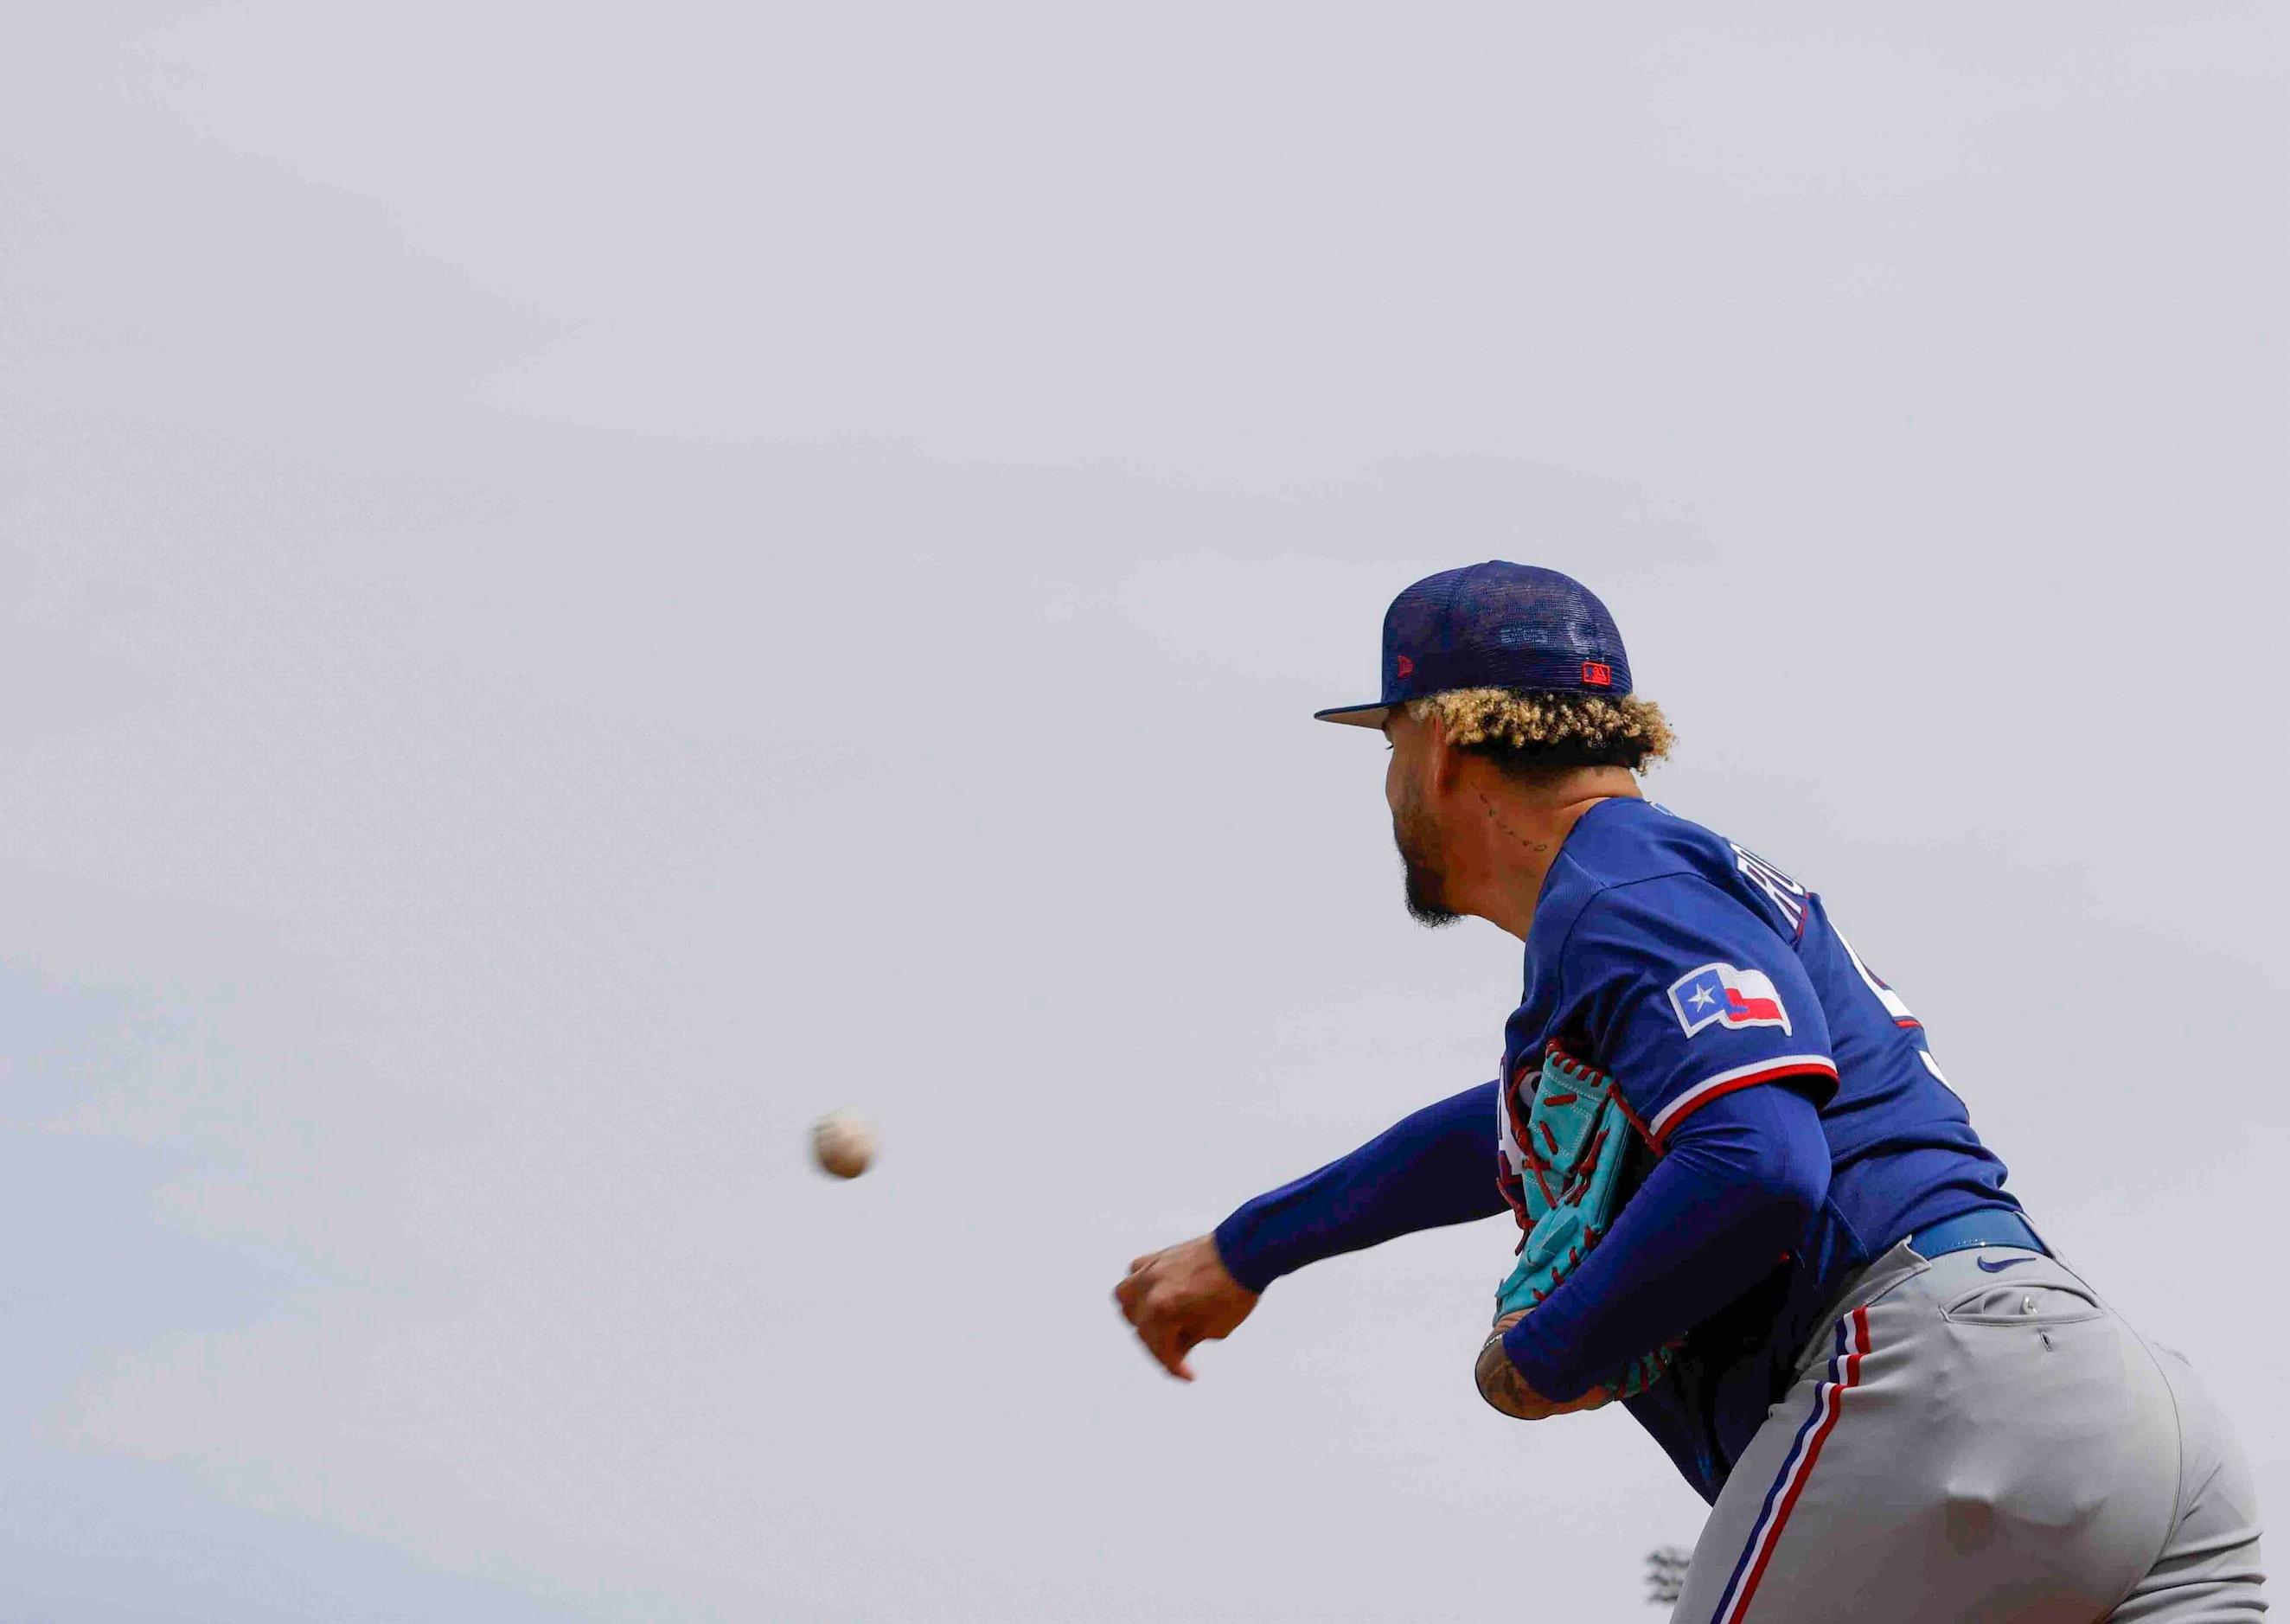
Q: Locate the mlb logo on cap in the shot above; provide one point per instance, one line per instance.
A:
(1720, 995)
(1494, 625)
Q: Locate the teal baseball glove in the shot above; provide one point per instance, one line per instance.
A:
(1576, 1144)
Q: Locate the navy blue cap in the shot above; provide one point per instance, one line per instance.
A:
(1494, 625)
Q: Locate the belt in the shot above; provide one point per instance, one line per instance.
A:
(1988, 1227)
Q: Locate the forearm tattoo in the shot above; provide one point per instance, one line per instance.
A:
(1502, 1385)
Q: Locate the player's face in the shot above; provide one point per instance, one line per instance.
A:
(1413, 827)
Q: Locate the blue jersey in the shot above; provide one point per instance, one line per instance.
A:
(1688, 968)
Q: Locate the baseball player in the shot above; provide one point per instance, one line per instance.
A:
(1757, 1215)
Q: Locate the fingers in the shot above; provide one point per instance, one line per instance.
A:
(1166, 1334)
(1165, 1298)
(1170, 1344)
(1133, 1285)
(1171, 1358)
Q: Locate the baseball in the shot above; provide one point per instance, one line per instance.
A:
(843, 1142)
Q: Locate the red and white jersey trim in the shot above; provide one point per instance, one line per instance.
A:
(1725, 1082)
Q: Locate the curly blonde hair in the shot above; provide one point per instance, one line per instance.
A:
(1530, 729)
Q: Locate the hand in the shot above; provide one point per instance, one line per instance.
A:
(1502, 1385)
(1180, 1296)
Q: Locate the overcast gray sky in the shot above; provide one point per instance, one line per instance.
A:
(581, 585)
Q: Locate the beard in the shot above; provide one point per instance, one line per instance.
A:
(1419, 857)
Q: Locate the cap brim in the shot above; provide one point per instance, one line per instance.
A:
(1355, 715)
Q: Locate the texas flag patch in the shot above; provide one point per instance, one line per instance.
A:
(1719, 995)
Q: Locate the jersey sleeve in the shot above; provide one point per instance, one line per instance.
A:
(1684, 995)
(1437, 1167)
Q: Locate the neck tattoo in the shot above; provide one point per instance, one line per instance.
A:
(1495, 815)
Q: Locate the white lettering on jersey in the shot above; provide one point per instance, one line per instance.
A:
(1886, 996)
(1786, 894)
(1514, 1158)
(1899, 1010)
(1933, 1066)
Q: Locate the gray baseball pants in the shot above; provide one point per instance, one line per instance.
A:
(1979, 1436)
